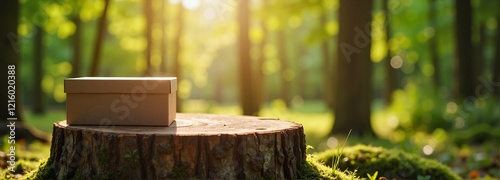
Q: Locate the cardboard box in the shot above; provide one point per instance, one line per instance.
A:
(148, 101)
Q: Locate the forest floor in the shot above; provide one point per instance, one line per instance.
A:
(470, 161)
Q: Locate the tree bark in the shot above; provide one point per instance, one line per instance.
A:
(177, 66)
(77, 47)
(463, 75)
(247, 93)
(285, 83)
(390, 72)
(101, 27)
(354, 68)
(148, 13)
(38, 96)
(195, 146)
(433, 44)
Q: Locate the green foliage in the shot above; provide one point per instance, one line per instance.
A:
(178, 173)
(336, 159)
(44, 171)
(372, 177)
(478, 134)
(312, 168)
(390, 163)
(102, 158)
(133, 157)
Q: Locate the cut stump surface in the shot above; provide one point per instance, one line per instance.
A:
(194, 146)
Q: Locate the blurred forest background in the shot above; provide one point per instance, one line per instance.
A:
(417, 74)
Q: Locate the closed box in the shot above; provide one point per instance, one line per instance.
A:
(141, 101)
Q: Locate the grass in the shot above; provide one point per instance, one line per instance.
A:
(313, 168)
(44, 122)
(28, 158)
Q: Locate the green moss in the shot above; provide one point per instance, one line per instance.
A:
(78, 176)
(178, 173)
(389, 163)
(44, 171)
(312, 168)
(102, 158)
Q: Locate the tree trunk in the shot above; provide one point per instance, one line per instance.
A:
(354, 68)
(327, 68)
(77, 48)
(247, 93)
(433, 44)
(101, 27)
(9, 53)
(148, 13)
(463, 75)
(479, 56)
(260, 84)
(302, 77)
(38, 96)
(163, 66)
(390, 72)
(285, 83)
(197, 146)
(177, 67)
(496, 61)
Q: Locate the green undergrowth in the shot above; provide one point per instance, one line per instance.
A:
(312, 168)
(44, 171)
(392, 164)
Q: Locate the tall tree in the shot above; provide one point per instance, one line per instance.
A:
(479, 55)
(177, 44)
(101, 26)
(247, 93)
(302, 72)
(390, 72)
(463, 76)
(327, 67)
(38, 104)
(285, 82)
(9, 53)
(433, 46)
(148, 13)
(77, 46)
(354, 68)
(163, 65)
(496, 60)
(259, 84)
(76, 40)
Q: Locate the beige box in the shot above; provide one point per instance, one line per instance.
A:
(148, 101)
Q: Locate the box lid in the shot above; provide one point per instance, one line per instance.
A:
(120, 85)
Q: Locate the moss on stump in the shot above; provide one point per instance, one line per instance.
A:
(393, 164)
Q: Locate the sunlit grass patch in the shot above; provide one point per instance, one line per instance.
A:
(44, 121)
(390, 163)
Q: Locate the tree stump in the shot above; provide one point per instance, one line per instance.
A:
(194, 146)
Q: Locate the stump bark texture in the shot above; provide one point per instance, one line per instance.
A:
(194, 146)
